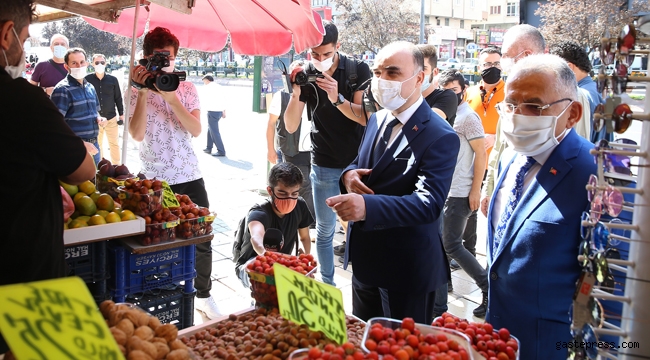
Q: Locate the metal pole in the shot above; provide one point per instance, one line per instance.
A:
(127, 92)
(421, 21)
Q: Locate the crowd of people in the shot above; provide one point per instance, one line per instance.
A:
(402, 154)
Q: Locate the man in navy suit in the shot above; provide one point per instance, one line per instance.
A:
(533, 242)
(393, 194)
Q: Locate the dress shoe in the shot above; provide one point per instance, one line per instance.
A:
(454, 265)
(339, 249)
(207, 151)
(480, 311)
(219, 154)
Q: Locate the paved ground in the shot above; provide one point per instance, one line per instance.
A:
(235, 182)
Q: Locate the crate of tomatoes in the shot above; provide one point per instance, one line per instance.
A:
(194, 220)
(159, 227)
(262, 278)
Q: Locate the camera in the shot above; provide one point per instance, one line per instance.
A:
(165, 81)
(301, 75)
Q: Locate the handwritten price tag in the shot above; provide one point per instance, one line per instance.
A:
(169, 198)
(55, 319)
(306, 301)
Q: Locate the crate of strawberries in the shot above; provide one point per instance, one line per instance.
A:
(142, 197)
(194, 220)
(262, 278)
(487, 341)
(159, 227)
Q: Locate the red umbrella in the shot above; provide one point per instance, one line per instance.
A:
(256, 27)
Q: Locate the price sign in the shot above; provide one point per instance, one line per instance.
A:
(169, 198)
(55, 319)
(306, 301)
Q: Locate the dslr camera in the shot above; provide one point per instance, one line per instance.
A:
(165, 81)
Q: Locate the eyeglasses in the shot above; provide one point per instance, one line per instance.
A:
(100, 62)
(621, 118)
(613, 160)
(619, 79)
(607, 56)
(610, 201)
(487, 65)
(527, 108)
(626, 39)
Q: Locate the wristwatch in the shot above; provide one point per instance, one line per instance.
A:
(340, 101)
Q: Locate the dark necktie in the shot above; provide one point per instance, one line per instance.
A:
(382, 144)
(513, 200)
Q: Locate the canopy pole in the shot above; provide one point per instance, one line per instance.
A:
(127, 92)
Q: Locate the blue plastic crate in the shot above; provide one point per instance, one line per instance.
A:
(137, 273)
(87, 261)
(171, 306)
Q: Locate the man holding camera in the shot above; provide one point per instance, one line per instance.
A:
(164, 123)
(333, 104)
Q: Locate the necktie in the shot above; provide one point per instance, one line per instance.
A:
(382, 144)
(513, 200)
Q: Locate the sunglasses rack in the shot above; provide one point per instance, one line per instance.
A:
(626, 293)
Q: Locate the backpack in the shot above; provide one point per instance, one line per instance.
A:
(239, 239)
(351, 78)
(285, 141)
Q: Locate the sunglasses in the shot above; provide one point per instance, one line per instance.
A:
(610, 202)
(618, 82)
(591, 313)
(607, 56)
(620, 118)
(100, 62)
(626, 39)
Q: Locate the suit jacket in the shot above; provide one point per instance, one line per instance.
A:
(533, 274)
(399, 245)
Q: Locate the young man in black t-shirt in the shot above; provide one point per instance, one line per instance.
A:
(443, 102)
(39, 148)
(285, 211)
(336, 132)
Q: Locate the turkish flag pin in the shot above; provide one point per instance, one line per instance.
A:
(553, 171)
(415, 128)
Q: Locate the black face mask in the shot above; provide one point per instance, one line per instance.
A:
(460, 96)
(491, 75)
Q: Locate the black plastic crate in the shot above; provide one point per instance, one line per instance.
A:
(99, 291)
(170, 306)
(87, 261)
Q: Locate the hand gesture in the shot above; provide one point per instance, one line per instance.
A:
(349, 207)
(330, 86)
(352, 180)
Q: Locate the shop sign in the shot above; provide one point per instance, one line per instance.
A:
(465, 34)
(496, 36)
(169, 198)
(304, 300)
(446, 33)
(55, 319)
(483, 36)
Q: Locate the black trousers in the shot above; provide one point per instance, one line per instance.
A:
(203, 261)
(371, 301)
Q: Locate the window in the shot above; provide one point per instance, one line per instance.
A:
(462, 24)
(513, 9)
(446, 21)
(495, 10)
(471, 3)
(438, 21)
(426, 19)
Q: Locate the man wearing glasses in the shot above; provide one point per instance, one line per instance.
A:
(110, 97)
(533, 226)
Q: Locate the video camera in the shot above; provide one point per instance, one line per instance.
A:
(302, 76)
(165, 81)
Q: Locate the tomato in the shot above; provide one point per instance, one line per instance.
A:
(511, 353)
(401, 354)
(488, 328)
(443, 346)
(481, 346)
(408, 324)
(441, 337)
(513, 344)
(376, 334)
(314, 353)
(502, 356)
(413, 341)
(358, 355)
(504, 334)
(329, 347)
(348, 347)
(453, 345)
(371, 345)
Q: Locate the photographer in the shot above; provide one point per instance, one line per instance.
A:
(164, 123)
(333, 104)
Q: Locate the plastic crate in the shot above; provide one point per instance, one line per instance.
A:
(140, 204)
(87, 261)
(99, 291)
(189, 228)
(170, 306)
(137, 273)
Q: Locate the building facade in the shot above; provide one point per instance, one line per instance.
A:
(449, 25)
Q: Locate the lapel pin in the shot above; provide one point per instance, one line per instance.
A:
(553, 171)
(415, 128)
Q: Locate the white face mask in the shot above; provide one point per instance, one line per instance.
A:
(100, 68)
(169, 68)
(15, 71)
(425, 83)
(388, 93)
(531, 135)
(78, 73)
(59, 51)
(324, 65)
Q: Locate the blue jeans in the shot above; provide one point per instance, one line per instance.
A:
(325, 184)
(97, 157)
(456, 213)
(213, 131)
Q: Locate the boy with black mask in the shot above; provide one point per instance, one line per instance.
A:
(284, 211)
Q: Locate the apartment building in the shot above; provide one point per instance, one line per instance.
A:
(449, 25)
(501, 15)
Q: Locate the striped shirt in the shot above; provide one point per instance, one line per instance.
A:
(79, 106)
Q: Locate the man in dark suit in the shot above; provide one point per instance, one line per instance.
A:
(533, 242)
(394, 192)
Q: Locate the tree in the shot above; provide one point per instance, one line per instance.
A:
(83, 35)
(584, 21)
(369, 25)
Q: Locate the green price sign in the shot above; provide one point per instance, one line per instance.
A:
(304, 300)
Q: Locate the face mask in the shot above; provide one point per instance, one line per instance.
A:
(491, 75)
(284, 205)
(388, 93)
(169, 68)
(531, 135)
(426, 83)
(15, 71)
(324, 65)
(461, 96)
(59, 51)
(78, 73)
(100, 68)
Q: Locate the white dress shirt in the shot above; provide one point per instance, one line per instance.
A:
(403, 117)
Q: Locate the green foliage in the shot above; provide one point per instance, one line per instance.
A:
(92, 40)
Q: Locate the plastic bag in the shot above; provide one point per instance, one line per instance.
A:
(68, 204)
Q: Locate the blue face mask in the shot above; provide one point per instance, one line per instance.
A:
(59, 51)
(425, 83)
